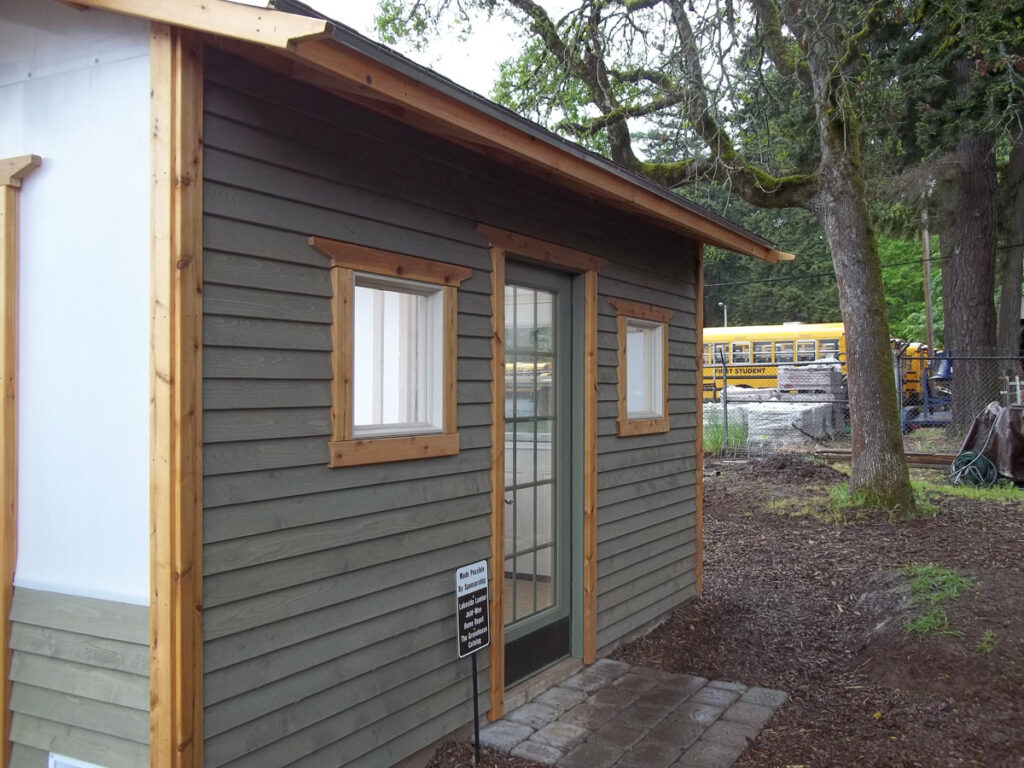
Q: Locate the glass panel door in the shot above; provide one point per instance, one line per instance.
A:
(537, 447)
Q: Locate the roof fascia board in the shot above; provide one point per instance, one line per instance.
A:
(241, 22)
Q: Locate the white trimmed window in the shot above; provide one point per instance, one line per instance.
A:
(398, 361)
(642, 368)
(394, 355)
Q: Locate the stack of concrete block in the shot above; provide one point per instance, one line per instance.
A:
(835, 418)
(782, 426)
(748, 395)
(810, 378)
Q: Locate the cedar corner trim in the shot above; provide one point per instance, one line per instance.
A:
(13, 171)
(176, 586)
(503, 243)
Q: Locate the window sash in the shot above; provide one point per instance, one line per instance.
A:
(397, 357)
(644, 369)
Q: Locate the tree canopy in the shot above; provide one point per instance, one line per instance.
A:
(802, 104)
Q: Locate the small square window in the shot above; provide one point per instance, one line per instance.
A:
(394, 357)
(643, 367)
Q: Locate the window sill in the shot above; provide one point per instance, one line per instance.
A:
(631, 427)
(352, 453)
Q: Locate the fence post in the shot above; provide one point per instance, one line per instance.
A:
(725, 402)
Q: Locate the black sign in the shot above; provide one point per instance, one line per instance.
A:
(472, 613)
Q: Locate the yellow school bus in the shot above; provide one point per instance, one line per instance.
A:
(753, 353)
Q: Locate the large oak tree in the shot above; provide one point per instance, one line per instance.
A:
(608, 69)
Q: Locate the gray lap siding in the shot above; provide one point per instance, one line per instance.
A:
(329, 635)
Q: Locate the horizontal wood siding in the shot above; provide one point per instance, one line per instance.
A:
(646, 535)
(80, 673)
(328, 611)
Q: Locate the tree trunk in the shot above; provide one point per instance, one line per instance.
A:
(1011, 258)
(879, 475)
(967, 232)
(879, 469)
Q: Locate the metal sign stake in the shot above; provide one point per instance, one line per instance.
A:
(473, 629)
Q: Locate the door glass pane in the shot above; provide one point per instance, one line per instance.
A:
(545, 573)
(530, 416)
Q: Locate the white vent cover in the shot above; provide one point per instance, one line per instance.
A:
(61, 761)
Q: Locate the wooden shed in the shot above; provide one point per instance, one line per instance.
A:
(294, 328)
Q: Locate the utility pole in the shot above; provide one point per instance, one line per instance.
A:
(927, 261)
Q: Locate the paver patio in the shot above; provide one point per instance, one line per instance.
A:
(612, 714)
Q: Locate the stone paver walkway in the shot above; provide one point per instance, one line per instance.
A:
(614, 714)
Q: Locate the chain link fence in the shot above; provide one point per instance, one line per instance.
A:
(756, 411)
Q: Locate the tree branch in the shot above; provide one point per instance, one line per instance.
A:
(775, 44)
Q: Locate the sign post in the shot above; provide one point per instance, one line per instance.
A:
(473, 626)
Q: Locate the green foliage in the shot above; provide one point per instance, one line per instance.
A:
(932, 585)
(850, 506)
(987, 643)
(805, 290)
(1003, 492)
(758, 293)
(715, 443)
(933, 621)
(903, 277)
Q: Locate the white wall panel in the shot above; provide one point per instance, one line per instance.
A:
(74, 89)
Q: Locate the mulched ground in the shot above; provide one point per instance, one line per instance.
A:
(796, 602)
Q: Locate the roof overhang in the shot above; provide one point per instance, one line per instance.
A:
(339, 60)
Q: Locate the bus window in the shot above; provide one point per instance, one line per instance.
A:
(783, 351)
(829, 348)
(741, 352)
(806, 351)
(762, 352)
(721, 354)
(707, 354)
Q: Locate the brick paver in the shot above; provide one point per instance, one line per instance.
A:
(613, 715)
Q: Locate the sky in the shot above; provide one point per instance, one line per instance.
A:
(472, 63)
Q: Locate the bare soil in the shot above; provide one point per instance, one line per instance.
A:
(796, 601)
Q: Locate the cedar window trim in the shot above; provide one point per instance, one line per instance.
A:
(628, 427)
(346, 260)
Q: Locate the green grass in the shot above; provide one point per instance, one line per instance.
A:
(1003, 492)
(932, 585)
(714, 439)
(846, 506)
(988, 642)
(933, 622)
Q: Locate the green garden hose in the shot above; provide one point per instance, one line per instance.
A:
(972, 468)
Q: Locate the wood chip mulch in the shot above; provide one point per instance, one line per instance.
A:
(797, 602)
